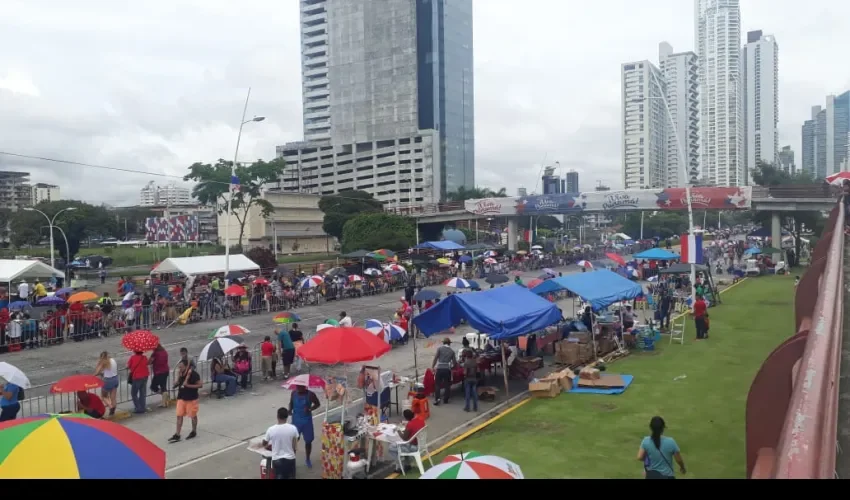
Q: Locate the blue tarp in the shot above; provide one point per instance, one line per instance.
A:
(439, 245)
(657, 254)
(506, 312)
(600, 288)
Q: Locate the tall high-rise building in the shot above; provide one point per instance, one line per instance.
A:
(682, 79)
(786, 160)
(159, 196)
(826, 137)
(644, 125)
(15, 190)
(718, 47)
(388, 100)
(552, 183)
(572, 182)
(42, 192)
(760, 63)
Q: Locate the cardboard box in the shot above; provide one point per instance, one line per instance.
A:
(582, 337)
(569, 353)
(544, 389)
(564, 378)
(608, 381)
(589, 374)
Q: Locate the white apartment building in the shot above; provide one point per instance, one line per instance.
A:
(153, 196)
(45, 193)
(315, 85)
(644, 125)
(682, 78)
(718, 47)
(760, 62)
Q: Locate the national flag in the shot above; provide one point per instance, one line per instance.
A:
(692, 248)
(234, 184)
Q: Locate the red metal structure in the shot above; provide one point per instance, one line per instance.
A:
(792, 406)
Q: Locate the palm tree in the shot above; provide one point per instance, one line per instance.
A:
(463, 194)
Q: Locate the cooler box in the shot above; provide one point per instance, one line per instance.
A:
(265, 474)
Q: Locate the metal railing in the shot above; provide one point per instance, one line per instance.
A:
(792, 406)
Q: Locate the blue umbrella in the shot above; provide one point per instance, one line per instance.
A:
(423, 295)
(64, 291)
(465, 259)
(20, 304)
(50, 301)
(474, 285)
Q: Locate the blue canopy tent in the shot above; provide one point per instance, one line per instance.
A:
(445, 246)
(599, 288)
(657, 254)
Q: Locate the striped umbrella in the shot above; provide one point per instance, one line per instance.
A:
(219, 347)
(372, 272)
(490, 260)
(228, 330)
(354, 278)
(585, 264)
(311, 282)
(474, 465)
(458, 283)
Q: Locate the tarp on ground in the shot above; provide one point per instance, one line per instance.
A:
(683, 269)
(207, 264)
(13, 270)
(657, 254)
(599, 288)
(439, 245)
(506, 312)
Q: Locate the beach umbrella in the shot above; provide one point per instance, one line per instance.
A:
(490, 253)
(385, 253)
(75, 383)
(376, 256)
(354, 278)
(227, 330)
(522, 252)
(219, 347)
(82, 297)
(75, 446)
(652, 279)
(474, 465)
(311, 382)
(286, 318)
(51, 301)
(64, 291)
(474, 285)
(13, 375)
(311, 282)
(394, 331)
(235, 291)
(337, 271)
(549, 271)
(374, 326)
(372, 272)
(496, 279)
(838, 179)
(444, 261)
(337, 345)
(545, 277)
(752, 251)
(457, 283)
(616, 258)
(140, 340)
(585, 264)
(322, 326)
(423, 295)
(19, 305)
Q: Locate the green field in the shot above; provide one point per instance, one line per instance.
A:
(597, 436)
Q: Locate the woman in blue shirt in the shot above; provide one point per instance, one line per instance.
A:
(9, 404)
(658, 452)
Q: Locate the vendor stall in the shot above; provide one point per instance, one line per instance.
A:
(713, 296)
(657, 254)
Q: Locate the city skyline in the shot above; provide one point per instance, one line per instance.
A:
(169, 99)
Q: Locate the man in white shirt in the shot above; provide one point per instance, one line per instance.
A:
(345, 320)
(282, 440)
(23, 290)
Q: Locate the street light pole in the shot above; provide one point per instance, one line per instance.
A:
(64, 237)
(230, 194)
(51, 226)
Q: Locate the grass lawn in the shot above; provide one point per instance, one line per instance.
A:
(597, 436)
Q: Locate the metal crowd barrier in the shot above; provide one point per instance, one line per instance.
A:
(792, 406)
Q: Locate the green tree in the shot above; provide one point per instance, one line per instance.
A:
(135, 219)
(463, 194)
(342, 207)
(378, 230)
(84, 222)
(263, 257)
(214, 185)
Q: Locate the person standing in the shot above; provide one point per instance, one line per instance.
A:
(470, 380)
(302, 403)
(287, 351)
(699, 311)
(188, 405)
(10, 403)
(159, 381)
(267, 361)
(444, 360)
(282, 440)
(657, 452)
(297, 338)
(137, 366)
(108, 369)
(23, 290)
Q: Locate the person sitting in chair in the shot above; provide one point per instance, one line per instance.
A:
(413, 424)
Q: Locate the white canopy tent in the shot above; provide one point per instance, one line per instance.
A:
(14, 270)
(207, 264)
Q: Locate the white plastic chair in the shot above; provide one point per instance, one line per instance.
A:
(421, 438)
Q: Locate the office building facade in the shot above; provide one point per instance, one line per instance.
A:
(552, 182)
(572, 182)
(153, 196)
(760, 62)
(15, 190)
(682, 80)
(45, 193)
(826, 137)
(644, 126)
(785, 160)
(718, 48)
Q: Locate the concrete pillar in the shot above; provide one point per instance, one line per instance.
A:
(512, 233)
(775, 234)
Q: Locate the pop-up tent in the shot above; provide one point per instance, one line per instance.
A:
(502, 313)
(657, 254)
(13, 270)
(445, 246)
(599, 288)
(207, 264)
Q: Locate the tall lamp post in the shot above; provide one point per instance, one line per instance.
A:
(64, 237)
(51, 226)
(232, 175)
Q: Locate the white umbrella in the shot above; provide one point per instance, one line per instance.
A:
(129, 296)
(13, 375)
(219, 347)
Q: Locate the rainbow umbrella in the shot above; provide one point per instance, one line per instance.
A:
(286, 317)
(75, 446)
(474, 465)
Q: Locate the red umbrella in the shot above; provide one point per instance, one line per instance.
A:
(261, 281)
(234, 291)
(140, 340)
(339, 345)
(76, 383)
(838, 178)
(616, 258)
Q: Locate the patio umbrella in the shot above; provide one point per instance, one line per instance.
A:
(286, 318)
(235, 291)
(372, 272)
(457, 283)
(228, 330)
(261, 281)
(376, 256)
(585, 264)
(140, 341)
(75, 383)
(616, 258)
(337, 345)
(51, 301)
(19, 305)
(311, 382)
(355, 278)
(76, 447)
(423, 295)
(474, 465)
(64, 291)
(496, 279)
(13, 375)
(337, 271)
(82, 297)
(384, 252)
(219, 347)
(311, 282)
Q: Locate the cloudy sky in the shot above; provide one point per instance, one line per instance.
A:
(159, 84)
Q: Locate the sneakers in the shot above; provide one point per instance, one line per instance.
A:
(308, 463)
(175, 438)
(191, 435)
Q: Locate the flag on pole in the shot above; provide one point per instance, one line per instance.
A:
(234, 184)
(692, 248)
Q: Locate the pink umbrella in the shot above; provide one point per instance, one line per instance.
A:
(311, 382)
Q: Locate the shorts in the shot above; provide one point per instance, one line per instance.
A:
(287, 356)
(110, 383)
(159, 382)
(284, 468)
(188, 408)
(305, 429)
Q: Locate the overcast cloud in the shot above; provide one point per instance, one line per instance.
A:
(159, 84)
